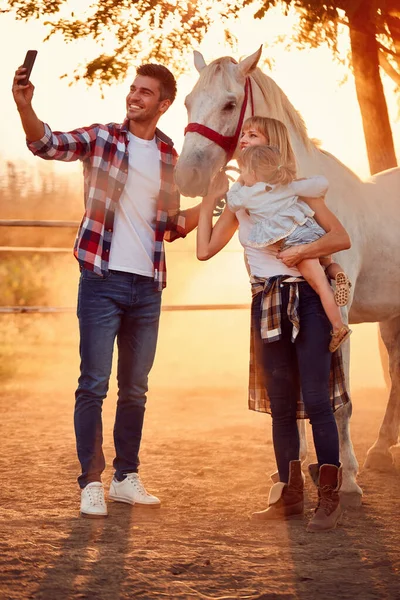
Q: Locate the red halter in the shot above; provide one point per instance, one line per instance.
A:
(226, 142)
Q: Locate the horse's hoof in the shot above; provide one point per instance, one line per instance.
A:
(350, 499)
(379, 461)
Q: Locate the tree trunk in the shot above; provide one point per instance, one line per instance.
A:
(370, 94)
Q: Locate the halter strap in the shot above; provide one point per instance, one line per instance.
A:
(226, 142)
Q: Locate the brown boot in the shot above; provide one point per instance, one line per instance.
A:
(285, 499)
(328, 511)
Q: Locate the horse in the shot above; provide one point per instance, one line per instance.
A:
(369, 210)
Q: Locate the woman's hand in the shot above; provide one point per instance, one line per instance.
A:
(292, 256)
(219, 185)
(217, 190)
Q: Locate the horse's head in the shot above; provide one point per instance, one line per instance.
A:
(215, 101)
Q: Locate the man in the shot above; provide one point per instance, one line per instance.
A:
(131, 206)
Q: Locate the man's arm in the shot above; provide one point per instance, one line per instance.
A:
(23, 94)
(335, 239)
(41, 140)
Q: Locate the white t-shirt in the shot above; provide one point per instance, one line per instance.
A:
(262, 261)
(132, 245)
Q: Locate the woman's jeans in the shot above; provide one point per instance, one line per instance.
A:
(304, 364)
(127, 307)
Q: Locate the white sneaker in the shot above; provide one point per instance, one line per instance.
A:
(132, 491)
(93, 505)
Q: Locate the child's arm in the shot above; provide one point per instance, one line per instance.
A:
(313, 187)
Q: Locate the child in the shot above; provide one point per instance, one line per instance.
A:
(270, 195)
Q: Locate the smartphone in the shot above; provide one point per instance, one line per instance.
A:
(28, 65)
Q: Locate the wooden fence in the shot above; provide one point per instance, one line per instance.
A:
(68, 309)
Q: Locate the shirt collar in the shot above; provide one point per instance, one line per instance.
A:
(159, 134)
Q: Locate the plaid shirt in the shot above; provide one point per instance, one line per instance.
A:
(103, 149)
(270, 328)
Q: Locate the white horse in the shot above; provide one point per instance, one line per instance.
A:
(370, 211)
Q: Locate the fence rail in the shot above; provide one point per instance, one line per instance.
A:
(70, 309)
(167, 308)
(25, 223)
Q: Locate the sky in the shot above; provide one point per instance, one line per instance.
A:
(310, 78)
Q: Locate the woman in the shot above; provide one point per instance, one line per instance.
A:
(290, 342)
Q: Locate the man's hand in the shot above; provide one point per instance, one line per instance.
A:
(291, 256)
(23, 94)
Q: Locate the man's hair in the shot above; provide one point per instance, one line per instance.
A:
(164, 77)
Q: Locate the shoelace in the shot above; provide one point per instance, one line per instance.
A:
(136, 481)
(326, 502)
(96, 495)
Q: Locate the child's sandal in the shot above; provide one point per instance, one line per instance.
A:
(342, 289)
(338, 337)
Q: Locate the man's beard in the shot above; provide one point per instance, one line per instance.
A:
(145, 116)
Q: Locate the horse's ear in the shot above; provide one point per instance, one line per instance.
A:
(199, 61)
(247, 65)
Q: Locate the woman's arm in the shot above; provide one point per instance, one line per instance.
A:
(210, 240)
(335, 239)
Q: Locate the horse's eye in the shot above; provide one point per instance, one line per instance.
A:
(230, 105)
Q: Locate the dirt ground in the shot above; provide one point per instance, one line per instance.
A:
(208, 459)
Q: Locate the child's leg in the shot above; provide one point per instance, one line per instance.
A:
(342, 283)
(314, 274)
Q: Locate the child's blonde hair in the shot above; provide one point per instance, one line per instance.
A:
(276, 134)
(267, 165)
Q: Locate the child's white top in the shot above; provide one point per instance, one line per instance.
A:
(262, 262)
(276, 210)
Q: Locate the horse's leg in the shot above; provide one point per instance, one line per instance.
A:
(350, 493)
(301, 425)
(379, 457)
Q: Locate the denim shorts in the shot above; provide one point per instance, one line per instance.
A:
(304, 234)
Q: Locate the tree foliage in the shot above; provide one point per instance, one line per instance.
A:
(161, 30)
(374, 31)
(141, 30)
(320, 22)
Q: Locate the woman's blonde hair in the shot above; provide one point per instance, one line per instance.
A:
(276, 134)
(267, 165)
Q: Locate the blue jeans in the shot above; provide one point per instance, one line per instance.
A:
(303, 365)
(127, 307)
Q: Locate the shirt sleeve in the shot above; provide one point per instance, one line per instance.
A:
(236, 197)
(313, 187)
(73, 145)
(176, 221)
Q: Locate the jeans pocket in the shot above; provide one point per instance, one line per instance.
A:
(92, 276)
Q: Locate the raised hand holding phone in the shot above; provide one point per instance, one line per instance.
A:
(28, 65)
(22, 88)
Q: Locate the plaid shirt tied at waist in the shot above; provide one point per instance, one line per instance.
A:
(271, 305)
(269, 318)
(103, 150)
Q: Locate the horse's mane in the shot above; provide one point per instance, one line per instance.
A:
(284, 111)
(280, 106)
